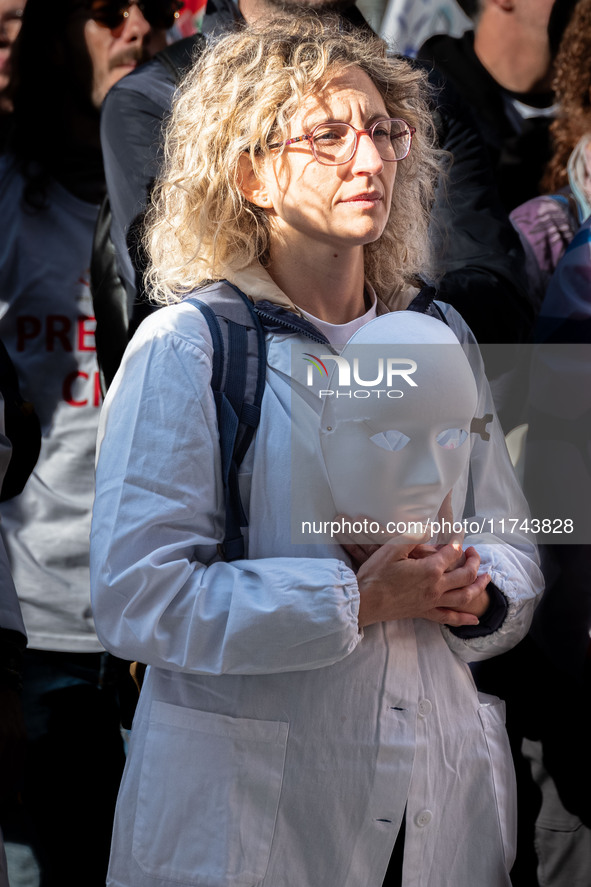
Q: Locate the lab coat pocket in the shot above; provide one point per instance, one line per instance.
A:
(492, 717)
(208, 796)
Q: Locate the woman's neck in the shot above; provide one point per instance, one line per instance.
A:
(327, 283)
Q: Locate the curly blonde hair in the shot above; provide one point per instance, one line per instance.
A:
(572, 87)
(238, 98)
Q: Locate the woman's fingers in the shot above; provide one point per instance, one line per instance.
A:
(453, 618)
(463, 606)
(394, 585)
(459, 598)
(463, 572)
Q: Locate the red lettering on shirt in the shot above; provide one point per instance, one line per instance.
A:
(69, 386)
(58, 327)
(86, 335)
(98, 394)
(27, 327)
(67, 389)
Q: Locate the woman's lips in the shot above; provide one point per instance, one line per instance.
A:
(369, 197)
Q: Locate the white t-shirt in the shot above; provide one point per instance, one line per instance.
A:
(47, 325)
(339, 333)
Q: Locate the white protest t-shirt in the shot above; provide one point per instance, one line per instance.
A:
(47, 325)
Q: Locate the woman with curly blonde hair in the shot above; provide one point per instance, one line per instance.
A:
(203, 226)
(307, 717)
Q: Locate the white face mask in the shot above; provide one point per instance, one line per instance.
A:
(395, 458)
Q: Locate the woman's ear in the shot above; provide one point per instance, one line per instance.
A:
(250, 183)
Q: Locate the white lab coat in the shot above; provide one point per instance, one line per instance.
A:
(274, 744)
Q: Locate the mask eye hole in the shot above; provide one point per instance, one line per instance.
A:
(451, 438)
(390, 440)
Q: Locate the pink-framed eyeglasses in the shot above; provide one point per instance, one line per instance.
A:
(336, 143)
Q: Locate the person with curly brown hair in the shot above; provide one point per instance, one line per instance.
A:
(547, 224)
(572, 88)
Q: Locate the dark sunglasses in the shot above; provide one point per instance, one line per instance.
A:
(112, 13)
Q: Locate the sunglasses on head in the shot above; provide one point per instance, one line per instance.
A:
(113, 13)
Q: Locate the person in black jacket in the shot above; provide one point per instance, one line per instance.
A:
(503, 69)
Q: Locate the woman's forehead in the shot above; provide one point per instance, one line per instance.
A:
(342, 95)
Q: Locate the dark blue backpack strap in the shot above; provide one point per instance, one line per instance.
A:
(424, 303)
(238, 384)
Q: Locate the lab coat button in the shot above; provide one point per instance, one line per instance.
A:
(424, 708)
(423, 818)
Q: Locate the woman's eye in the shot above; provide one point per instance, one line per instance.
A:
(390, 440)
(451, 438)
(327, 136)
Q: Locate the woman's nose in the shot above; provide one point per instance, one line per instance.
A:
(366, 160)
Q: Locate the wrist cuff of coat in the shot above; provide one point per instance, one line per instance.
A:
(490, 621)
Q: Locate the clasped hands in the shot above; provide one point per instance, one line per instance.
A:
(410, 580)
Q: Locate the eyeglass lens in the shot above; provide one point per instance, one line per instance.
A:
(158, 13)
(335, 142)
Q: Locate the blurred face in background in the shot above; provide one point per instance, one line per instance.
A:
(116, 45)
(11, 13)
